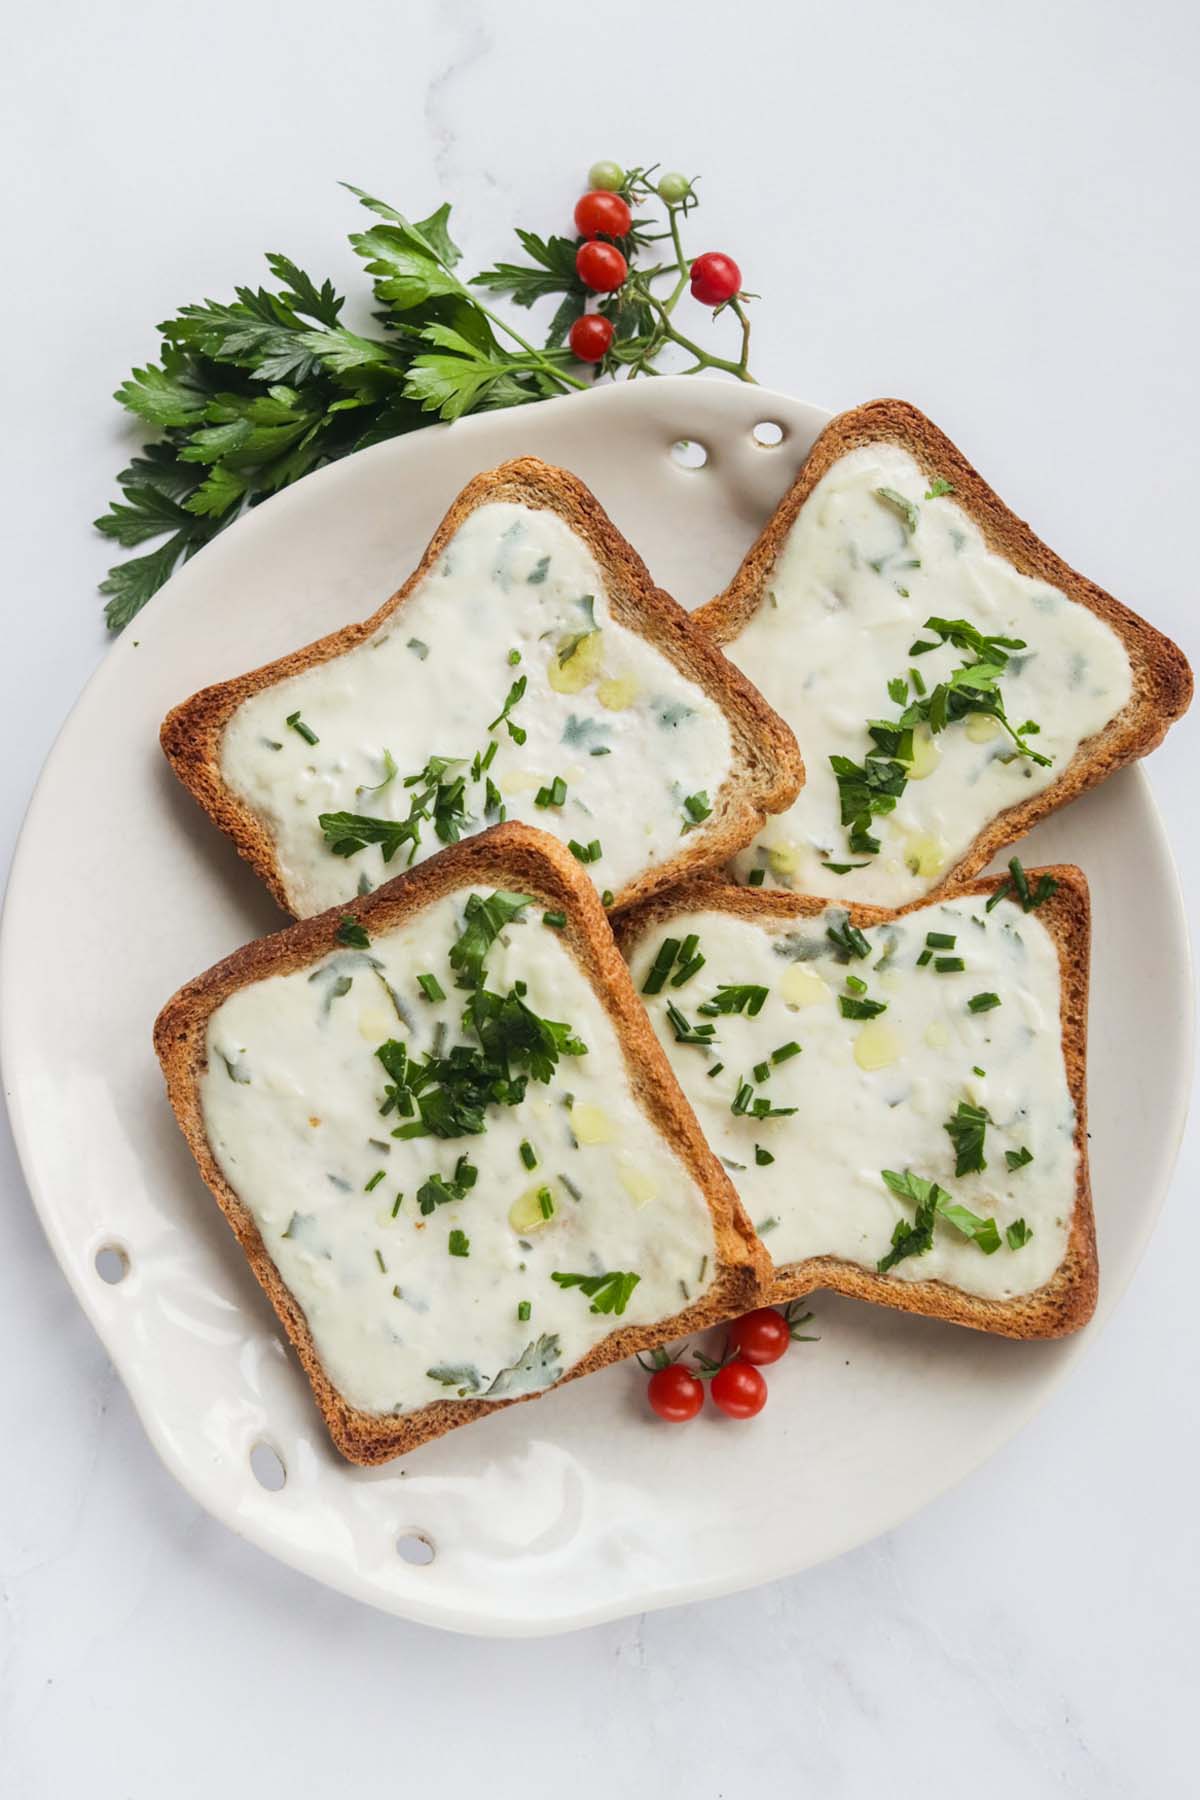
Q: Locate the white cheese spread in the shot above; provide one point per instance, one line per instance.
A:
(876, 1093)
(516, 596)
(849, 595)
(291, 1100)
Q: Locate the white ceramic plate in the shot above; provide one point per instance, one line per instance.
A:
(580, 1507)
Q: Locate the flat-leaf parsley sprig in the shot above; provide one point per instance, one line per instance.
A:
(250, 394)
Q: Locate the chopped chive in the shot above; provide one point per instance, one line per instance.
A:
(785, 1051)
(594, 850)
(514, 657)
(554, 795)
(940, 940)
(948, 965)
(660, 968)
(756, 877)
(545, 1201)
(761, 1071)
(762, 1157)
(382, 1264)
(765, 1225)
(856, 984)
(397, 1204)
(528, 1154)
(306, 731)
(926, 956)
(1020, 882)
(742, 1098)
(374, 1182)
(576, 1193)
(982, 1002)
(557, 919)
(918, 681)
(431, 987)
(686, 970)
(607, 897)
(583, 852)
(978, 1071)
(715, 1070)
(524, 1310)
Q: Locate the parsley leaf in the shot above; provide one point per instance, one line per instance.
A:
(966, 1129)
(484, 920)
(608, 1293)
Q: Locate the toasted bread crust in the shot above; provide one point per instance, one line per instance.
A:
(1068, 1299)
(767, 771)
(1162, 677)
(517, 857)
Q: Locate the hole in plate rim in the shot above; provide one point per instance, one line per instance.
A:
(689, 454)
(267, 1465)
(415, 1547)
(768, 434)
(112, 1263)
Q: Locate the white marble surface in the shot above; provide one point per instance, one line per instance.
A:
(988, 210)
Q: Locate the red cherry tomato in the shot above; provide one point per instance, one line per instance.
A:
(600, 214)
(739, 1390)
(590, 337)
(762, 1336)
(715, 278)
(600, 267)
(675, 1393)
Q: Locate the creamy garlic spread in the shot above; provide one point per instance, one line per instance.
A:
(876, 1093)
(516, 596)
(854, 583)
(291, 1100)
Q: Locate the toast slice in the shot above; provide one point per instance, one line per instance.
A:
(528, 668)
(896, 613)
(962, 1063)
(444, 1134)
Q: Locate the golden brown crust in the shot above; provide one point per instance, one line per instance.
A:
(1068, 1299)
(1162, 678)
(516, 857)
(767, 771)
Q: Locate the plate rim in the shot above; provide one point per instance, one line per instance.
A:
(344, 1578)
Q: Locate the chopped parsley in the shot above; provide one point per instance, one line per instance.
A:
(305, 731)
(390, 771)
(609, 1293)
(735, 997)
(966, 1129)
(439, 797)
(696, 809)
(555, 919)
(1017, 1159)
(459, 1244)
(762, 1157)
(937, 487)
(352, 934)
(931, 1201)
(419, 650)
(852, 1006)
(439, 1190)
(515, 694)
(1018, 1234)
(484, 921)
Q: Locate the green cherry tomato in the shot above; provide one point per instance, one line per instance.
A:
(608, 175)
(674, 187)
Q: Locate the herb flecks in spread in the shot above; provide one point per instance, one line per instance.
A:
(852, 587)
(418, 1183)
(862, 1057)
(416, 754)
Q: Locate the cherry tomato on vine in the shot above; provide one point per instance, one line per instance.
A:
(600, 267)
(715, 278)
(739, 1390)
(673, 187)
(609, 175)
(675, 1394)
(600, 213)
(590, 337)
(761, 1336)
